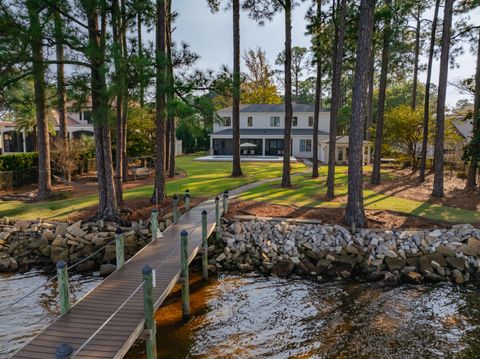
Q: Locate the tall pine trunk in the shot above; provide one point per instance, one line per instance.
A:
(382, 92)
(119, 84)
(416, 59)
(125, 90)
(473, 168)
(287, 138)
(336, 95)
(442, 93)
(170, 94)
(38, 70)
(107, 205)
(426, 107)
(355, 212)
(140, 55)
(371, 80)
(236, 169)
(318, 89)
(160, 98)
(61, 95)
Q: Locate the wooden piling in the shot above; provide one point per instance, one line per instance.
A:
(185, 276)
(148, 302)
(217, 219)
(204, 246)
(120, 247)
(62, 276)
(186, 199)
(154, 223)
(175, 208)
(64, 351)
(225, 202)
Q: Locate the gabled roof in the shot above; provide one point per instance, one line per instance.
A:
(297, 107)
(464, 128)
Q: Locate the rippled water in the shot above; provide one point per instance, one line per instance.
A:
(252, 317)
(20, 322)
(237, 317)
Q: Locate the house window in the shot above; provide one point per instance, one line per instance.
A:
(274, 121)
(340, 154)
(249, 121)
(310, 121)
(295, 121)
(449, 151)
(227, 121)
(87, 116)
(305, 145)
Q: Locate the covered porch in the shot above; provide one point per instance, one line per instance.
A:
(248, 146)
(342, 151)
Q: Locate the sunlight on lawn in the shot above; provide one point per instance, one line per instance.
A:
(203, 179)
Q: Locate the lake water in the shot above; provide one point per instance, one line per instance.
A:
(252, 317)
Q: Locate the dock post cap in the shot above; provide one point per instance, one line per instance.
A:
(204, 212)
(154, 210)
(147, 269)
(226, 192)
(184, 233)
(187, 191)
(64, 351)
(217, 199)
(118, 231)
(175, 196)
(61, 264)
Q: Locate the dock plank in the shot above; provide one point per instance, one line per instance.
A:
(106, 322)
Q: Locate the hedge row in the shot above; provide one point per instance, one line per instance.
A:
(18, 161)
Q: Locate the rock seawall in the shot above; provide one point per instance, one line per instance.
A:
(27, 244)
(333, 252)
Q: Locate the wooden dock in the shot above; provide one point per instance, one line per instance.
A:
(106, 322)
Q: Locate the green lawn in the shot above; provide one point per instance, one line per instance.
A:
(308, 192)
(211, 178)
(203, 179)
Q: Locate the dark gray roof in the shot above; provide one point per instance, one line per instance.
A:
(297, 107)
(269, 132)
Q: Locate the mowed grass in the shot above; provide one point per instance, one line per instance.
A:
(203, 179)
(309, 192)
(211, 178)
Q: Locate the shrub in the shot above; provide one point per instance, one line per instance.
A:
(18, 161)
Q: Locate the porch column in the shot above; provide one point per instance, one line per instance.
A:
(263, 146)
(211, 146)
(24, 142)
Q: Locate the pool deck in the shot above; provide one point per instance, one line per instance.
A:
(217, 158)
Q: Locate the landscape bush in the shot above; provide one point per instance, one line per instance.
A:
(18, 161)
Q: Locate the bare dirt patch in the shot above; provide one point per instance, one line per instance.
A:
(404, 184)
(376, 218)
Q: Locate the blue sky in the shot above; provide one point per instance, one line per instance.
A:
(210, 35)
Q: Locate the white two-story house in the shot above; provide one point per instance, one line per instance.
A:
(262, 130)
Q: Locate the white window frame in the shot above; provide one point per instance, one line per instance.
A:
(310, 121)
(305, 145)
(225, 120)
(274, 121)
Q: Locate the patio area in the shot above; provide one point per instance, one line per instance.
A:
(226, 158)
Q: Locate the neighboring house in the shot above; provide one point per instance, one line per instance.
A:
(453, 151)
(12, 140)
(262, 131)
